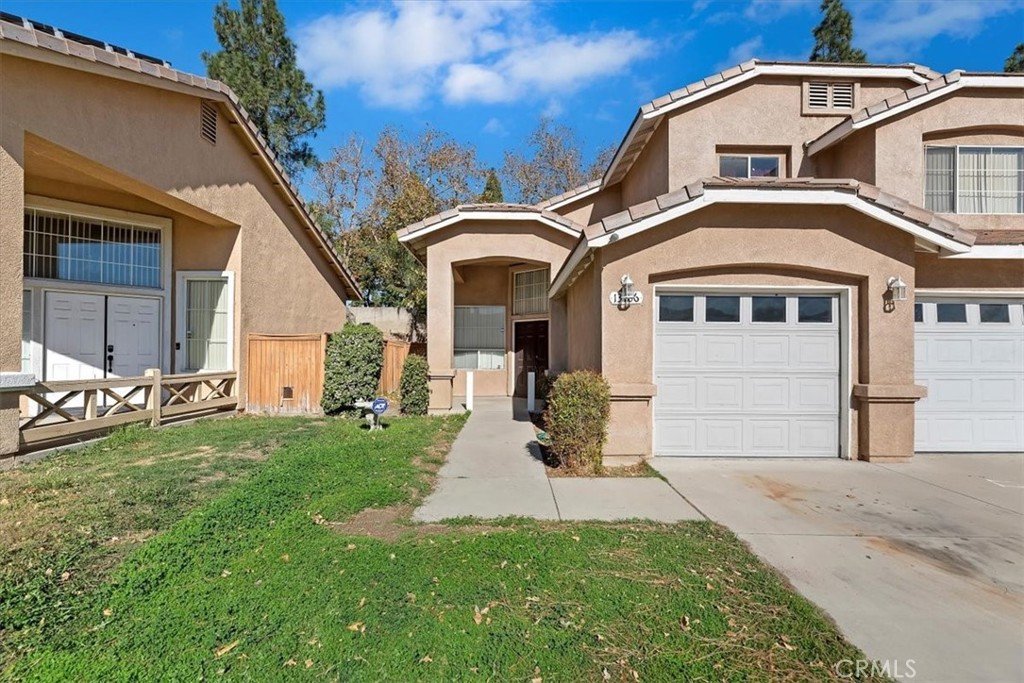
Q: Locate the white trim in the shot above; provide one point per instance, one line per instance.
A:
(578, 253)
(843, 131)
(179, 333)
(844, 319)
(933, 292)
(956, 176)
(497, 215)
(565, 202)
(145, 220)
(992, 251)
(785, 196)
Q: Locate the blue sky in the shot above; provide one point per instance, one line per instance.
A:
(485, 72)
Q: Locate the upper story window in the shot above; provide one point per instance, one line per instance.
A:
(829, 97)
(530, 292)
(62, 246)
(750, 166)
(974, 179)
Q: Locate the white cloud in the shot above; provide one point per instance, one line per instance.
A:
(746, 50)
(554, 109)
(772, 10)
(403, 54)
(494, 126)
(898, 30)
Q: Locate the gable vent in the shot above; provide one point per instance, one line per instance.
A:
(208, 121)
(817, 95)
(842, 95)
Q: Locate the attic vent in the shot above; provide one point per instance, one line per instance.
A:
(842, 95)
(817, 95)
(208, 121)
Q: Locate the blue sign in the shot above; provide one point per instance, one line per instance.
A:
(379, 406)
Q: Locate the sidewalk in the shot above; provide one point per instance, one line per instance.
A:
(494, 470)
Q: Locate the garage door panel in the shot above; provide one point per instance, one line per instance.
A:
(767, 350)
(676, 436)
(718, 436)
(679, 350)
(974, 373)
(767, 394)
(720, 350)
(768, 436)
(721, 393)
(816, 394)
(815, 351)
(815, 437)
(677, 393)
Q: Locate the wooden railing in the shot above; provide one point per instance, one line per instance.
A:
(71, 408)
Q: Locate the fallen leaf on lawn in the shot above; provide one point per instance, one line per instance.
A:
(709, 587)
(391, 556)
(358, 626)
(504, 563)
(65, 576)
(411, 597)
(286, 558)
(108, 612)
(227, 648)
(350, 546)
(426, 660)
(362, 601)
(290, 662)
(538, 679)
(226, 573)
(49, 571)
(576, 538)
(477, 616)
(685, 623)
(309, 663)
(784, 641)
(605, 675)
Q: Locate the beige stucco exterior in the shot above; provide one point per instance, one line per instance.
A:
(811, 241)
(132, 143)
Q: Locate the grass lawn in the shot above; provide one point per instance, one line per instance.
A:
(302, 566)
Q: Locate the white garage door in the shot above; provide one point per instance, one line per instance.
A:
(970, 355)
(746, 375)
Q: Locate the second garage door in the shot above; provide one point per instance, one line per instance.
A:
(746, 375)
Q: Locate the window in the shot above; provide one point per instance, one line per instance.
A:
(918, 313)
(749, 166)
(951, 313)
(722, 309)
(208, 323)
(974, 179)
(480, 337)
(530, 292)
(768, 309)
(60, 246)
(26, 331)
(825, 97)
(675, 309)
(994, 313)
(814, 309)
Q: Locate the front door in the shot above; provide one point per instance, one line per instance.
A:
(531, 347)
(133, 335)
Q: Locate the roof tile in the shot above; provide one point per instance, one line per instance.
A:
(713, 79)
(674, 198)
(647, 208)
(616, 220)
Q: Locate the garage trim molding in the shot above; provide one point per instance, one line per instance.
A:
(845, 339)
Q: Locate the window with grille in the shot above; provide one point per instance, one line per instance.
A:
(830, 96)
(974, 179)
(61, 246)
(479, 337)
(530, 292)
(26, 331)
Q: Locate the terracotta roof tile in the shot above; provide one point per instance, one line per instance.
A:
(551, 201)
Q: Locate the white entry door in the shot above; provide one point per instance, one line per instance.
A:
(74, 331)
(969, 353)
(133, 335)
(747, 375)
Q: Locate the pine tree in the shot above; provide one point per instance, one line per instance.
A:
(833, 37)
(257, 59)
(1014, 64)
(492, 193)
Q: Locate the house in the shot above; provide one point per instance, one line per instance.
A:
(784, 259)
(144, 223)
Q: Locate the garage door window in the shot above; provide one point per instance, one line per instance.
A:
(994, 313)
(918, 313)
(814, 309)
(675, 309)
(722, 309)
(768, 309)
(951, 313)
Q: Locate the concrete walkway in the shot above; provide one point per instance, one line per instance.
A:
(920, 561)
(494, 470)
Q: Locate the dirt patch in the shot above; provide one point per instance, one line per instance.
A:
(392, 523)
(200, 453)
(780, 491)
(941, 558)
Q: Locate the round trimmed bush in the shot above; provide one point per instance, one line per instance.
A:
(579, 404)
(413, 388)
(355, 356)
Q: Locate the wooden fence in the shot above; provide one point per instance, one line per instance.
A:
(285, 373)
(395, 353)
(102, 404)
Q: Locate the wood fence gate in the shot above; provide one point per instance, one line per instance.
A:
(285, 373)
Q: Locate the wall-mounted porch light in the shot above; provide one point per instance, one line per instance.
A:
(897, 288)
(625, 296)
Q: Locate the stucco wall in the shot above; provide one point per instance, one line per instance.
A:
(591, 209)
(648, 177)
(934, 272)
(967, 115)
(763, 245)
(584, 311)
(151, 136)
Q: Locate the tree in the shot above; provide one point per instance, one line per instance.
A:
(492, 193)
(1014, 64)
(257, 59)
(833, 37)
(363, 196)
(551, 164)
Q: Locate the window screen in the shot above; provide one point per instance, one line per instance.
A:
(207, 324)
(479, 337)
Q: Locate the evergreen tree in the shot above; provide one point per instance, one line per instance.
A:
(492, 193)
(257, 59)
(833, 37)
(1014, 64)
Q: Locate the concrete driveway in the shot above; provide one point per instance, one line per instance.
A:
(920, 561)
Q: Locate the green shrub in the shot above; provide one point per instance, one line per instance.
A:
(577, 418)
(413, 388)
(352, 367)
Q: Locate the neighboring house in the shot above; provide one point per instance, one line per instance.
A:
(768, 216)
(144, 222)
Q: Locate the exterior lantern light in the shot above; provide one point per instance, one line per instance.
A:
(898, 288)
(625, 296)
